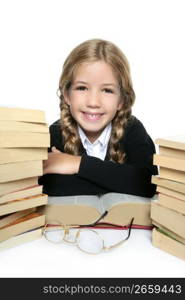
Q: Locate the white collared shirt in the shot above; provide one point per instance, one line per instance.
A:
(99, 147)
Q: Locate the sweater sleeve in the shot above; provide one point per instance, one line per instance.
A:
(133, 176)
(62, 184)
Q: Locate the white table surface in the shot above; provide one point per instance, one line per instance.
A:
(135, 258)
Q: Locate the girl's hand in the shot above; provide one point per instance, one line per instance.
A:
(61, 163)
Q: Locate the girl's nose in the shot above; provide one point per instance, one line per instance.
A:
(93, 100)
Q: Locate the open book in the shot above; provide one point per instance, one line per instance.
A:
(87, 209)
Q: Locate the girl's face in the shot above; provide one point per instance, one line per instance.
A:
(94, 97)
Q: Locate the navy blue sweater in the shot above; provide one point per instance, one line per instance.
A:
(96, 176)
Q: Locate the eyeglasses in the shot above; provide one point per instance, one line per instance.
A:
(86, 239)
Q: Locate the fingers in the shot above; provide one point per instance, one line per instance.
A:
(50, 164)
(44, 164)
(54, 149)
(44, 167)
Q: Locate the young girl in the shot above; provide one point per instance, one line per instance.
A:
(97, 146)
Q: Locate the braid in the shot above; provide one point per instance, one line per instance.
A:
(69, 130)
(118, 128)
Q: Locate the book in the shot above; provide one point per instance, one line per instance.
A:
(15, 139)
(171, 193)
(168, 244)
(171, 174)
(169, 232)
(176, 142)
(23, 203)
(168, 213)
(23, 126)
(7, 219)
(171, 152)
(170, 184)
(24, 139)
(169, 162)
(172, 203)
(19, 170)
(31, 221)
(8, 155)
(31, 191)
(22, 238)
(13, 186)
(168, 218)
(87, 209)
(22, 114)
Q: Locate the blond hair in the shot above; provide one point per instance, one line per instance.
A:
(91, 51)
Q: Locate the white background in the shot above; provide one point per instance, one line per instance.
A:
(137, 257)
(36, 36)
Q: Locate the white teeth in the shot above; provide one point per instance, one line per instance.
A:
(93, 116)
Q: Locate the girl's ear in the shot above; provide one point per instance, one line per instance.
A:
(120, 105)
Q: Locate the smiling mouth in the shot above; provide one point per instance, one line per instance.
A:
(92, 116)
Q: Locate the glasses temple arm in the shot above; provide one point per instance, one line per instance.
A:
(96, 222)
(130, 227)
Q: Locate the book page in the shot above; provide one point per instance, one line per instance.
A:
(177, 138)
(111, 199)
(100, 202)
(87, 200)
(177, 142)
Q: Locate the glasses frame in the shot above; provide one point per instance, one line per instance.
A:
(89, 227)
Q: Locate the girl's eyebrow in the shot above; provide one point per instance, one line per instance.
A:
(113, 84)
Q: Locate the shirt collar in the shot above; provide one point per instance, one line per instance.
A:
(103, 139)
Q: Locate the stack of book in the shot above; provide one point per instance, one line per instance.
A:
(24, 140)
(168, 212)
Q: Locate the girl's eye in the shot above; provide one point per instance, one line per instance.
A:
(109, 91)
(80, 88)
(83, 88)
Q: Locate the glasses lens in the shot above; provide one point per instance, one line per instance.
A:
(89, 241)
(70, 236)
(54, 232)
